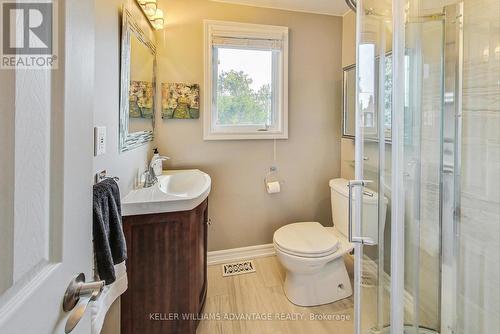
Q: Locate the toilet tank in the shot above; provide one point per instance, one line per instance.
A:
(340, 206)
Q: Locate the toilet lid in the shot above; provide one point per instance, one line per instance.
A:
(309, 239)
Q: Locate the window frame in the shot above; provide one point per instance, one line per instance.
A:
(211, 131)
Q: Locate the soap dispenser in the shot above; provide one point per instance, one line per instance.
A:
(158, 163)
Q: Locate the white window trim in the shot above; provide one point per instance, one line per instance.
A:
(244, 30)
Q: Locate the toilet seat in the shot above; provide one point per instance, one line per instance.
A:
(307, 239)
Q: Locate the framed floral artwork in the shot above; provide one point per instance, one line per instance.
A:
(180, 101)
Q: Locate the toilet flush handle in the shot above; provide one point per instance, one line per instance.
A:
(352, 238)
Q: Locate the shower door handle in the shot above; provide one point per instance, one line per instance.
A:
(351, 237)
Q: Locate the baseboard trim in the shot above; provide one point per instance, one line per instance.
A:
(240, 254)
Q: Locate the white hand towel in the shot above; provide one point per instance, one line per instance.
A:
(100, 307)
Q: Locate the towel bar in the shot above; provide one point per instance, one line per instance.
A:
(102, 175)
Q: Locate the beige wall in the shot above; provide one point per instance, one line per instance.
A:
(243, 214)
(349, 39)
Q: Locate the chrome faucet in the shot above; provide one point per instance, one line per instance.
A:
(150, 178)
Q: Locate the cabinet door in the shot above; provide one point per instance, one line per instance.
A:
(166, 268)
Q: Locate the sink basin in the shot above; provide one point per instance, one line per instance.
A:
(176, 190)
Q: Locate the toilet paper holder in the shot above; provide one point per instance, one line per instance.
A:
(271, 175)
(271, 181)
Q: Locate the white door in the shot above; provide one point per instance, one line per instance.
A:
(46, 172)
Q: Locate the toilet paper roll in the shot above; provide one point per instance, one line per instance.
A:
(273, 187)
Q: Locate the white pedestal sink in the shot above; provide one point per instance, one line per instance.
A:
(176, 190)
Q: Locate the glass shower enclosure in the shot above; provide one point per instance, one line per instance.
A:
(428, 141)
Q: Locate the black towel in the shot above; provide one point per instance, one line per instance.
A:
(109, 241)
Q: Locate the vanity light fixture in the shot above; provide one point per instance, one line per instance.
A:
(153, 13)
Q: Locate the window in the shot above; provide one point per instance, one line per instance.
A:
(246, 81)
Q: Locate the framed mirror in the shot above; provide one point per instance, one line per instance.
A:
(387, 103)
(371, 113)
(137, 85)
(349, 102)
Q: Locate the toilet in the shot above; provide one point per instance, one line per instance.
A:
(313, 255)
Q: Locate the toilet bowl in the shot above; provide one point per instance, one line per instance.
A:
(313, 255)
(313, 278)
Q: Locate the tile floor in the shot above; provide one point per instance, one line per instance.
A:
(260, 296)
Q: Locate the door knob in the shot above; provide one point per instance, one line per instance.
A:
(77, 297)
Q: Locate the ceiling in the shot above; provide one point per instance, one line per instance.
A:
(328, 7)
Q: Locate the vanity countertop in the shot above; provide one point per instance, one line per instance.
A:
(176, 190)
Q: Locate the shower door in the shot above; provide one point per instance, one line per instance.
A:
(450, 150)
(430, 146)
(430, 142)
(370, 232)
(399, 154)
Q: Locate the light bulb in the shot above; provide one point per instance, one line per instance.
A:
(150, 7)
(158, 15)
(158, 24)
(158, 20)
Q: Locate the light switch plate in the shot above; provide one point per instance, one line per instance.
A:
(99, 140)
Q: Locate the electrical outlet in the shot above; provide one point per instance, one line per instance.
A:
(99, 140)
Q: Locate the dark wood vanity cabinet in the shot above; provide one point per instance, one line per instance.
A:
(167, 272)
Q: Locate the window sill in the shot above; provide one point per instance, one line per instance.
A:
(244, 136)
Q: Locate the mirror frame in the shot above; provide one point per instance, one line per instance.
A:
(129, 141)
(376, 138)
(344, 101)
